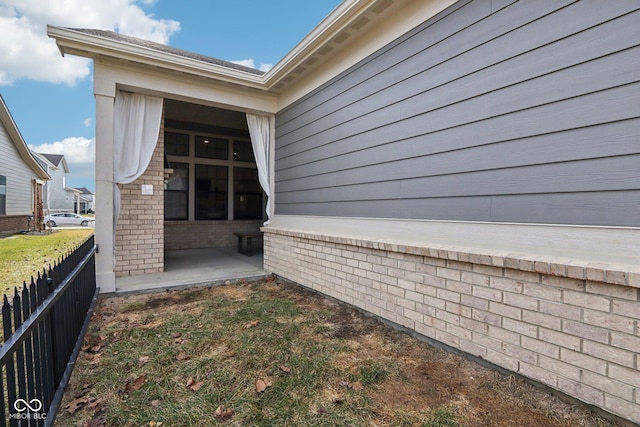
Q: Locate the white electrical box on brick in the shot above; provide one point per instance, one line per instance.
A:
(147, 189)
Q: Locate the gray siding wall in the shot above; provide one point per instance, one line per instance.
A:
(19, 177)
(515, 111)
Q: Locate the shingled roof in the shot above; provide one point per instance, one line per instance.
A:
(166, 49)
(53, 158)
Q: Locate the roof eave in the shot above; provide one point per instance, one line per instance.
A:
(347, 12)
(93, 46)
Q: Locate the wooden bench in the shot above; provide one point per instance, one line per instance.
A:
(245, 242)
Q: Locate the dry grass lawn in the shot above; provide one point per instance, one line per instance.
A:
(273, 354)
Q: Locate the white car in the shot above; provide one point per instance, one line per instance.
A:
(54, 220)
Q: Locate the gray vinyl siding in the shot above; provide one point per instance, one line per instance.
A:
(512, 111)
(19, 175)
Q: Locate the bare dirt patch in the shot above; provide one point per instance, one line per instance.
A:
(273, 353)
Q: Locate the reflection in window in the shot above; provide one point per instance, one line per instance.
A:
(176, 193)
(242, 151)
(211, 192)
(176, 144)
(247, 198)
(212, 148)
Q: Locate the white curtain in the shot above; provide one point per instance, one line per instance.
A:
(136, 129)
(259, 132)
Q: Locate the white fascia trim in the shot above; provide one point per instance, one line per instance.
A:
(338, 19)
(90, 45)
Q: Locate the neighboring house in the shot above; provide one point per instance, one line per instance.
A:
(21, 179)
(466, 170)
(57, 196)
(87, 203)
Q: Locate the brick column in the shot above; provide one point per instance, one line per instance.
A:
(140, 229)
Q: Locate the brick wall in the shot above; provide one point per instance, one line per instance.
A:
(206, 234)
(13, 223)
(140, 229)
(573, 328)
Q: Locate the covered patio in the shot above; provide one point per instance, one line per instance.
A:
(196, 267)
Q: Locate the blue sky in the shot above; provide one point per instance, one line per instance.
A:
(51, 98)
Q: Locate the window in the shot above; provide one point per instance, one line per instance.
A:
(247, 194)
(212, 148)
(3, 195)
(214, 178)
(243, 152)
(176, 144)
(176, 193)
(211, 192)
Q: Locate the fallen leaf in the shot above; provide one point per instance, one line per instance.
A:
(285, 369)
(95, 360)
(134, 385)
(182, 356)
(155, 423)
(193, 385)
(143, 360)
(222, 412)
(93, 403)
(262, 385)
(155, 403)
(251, 324)
(176, 335)
(75, 404)
(99, 419)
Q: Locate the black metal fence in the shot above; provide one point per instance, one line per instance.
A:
(43, 328)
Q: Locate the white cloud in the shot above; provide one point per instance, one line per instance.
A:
(27, 52)
(87, 122)
(251, 64)
(75, 149)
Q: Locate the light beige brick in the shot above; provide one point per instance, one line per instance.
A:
(541, 319)
(562, 282)
(506, 284)
(625, 375)
(625, 341)
(556, 366)
(581, 391)
(616, 291)
(622, 407)
(543, 292)
(583, 361)
(475, 279)
(562, 311)
(505, 310)
(609, 321)
(487, 293)
(475, 302)
(520, 327)
(608, 353)
(488, 270)
(539, 374)
(522, 301)
(542, 347)
(498, 358)
(583, 299)
(524, 276)
(608, 385)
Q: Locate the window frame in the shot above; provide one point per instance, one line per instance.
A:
(230, 163)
